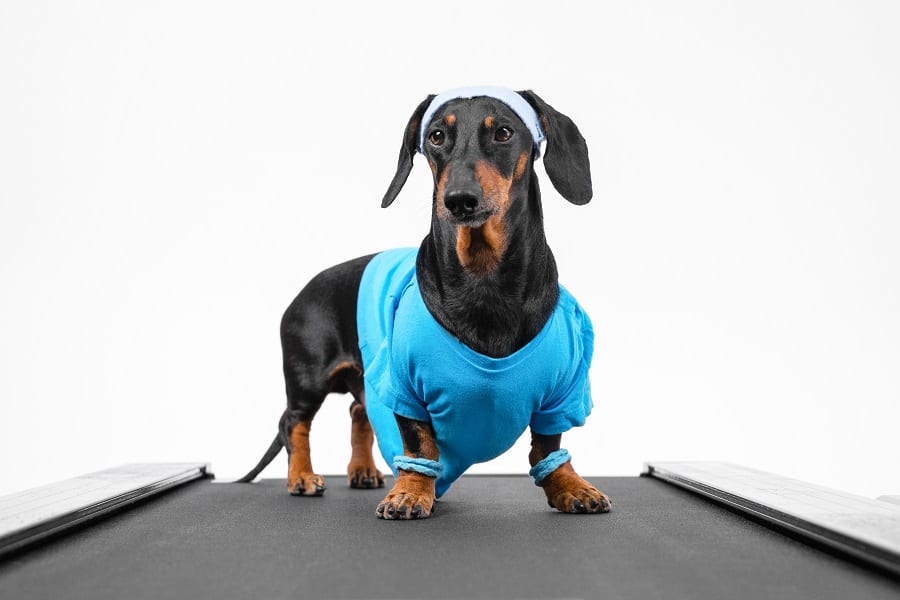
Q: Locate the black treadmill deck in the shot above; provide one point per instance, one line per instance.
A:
(490, 537)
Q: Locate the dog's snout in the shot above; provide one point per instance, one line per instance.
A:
(461, 202)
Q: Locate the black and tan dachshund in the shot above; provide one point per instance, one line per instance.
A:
(486, 276)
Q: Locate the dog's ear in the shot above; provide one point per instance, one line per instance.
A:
(566, 155)
(407, 152)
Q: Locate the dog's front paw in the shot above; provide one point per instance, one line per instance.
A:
(306, 484)
(364, 476)
(412, 497)
(405, 506)
(568, 492)
(586, 499)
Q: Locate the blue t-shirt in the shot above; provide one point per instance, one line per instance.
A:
(478, 405)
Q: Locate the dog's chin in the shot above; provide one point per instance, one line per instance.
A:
(472, 221)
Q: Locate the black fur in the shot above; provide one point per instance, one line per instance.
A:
(412, 433)
(318, 333)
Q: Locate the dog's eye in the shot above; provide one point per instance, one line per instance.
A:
(503, 134)
(436, 137)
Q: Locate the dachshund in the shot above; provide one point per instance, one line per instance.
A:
(453, 349)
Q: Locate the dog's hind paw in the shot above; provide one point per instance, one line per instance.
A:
(306, 484)
(364, 477)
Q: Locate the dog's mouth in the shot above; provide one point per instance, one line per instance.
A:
(474, 221)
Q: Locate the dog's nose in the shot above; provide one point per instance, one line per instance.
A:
(460, 202)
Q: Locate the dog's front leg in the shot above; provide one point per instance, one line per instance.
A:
(566, 490)
(412, 496)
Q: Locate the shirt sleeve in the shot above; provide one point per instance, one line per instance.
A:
(400, 396)
(570, 403)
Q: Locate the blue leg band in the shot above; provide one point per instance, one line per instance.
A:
(431, 468)
(551, 462)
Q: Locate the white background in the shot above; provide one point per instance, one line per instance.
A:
(171, 173)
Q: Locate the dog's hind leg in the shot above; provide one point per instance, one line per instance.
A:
(361, 472)
(320, 348)
(305, 393)
(302, 480)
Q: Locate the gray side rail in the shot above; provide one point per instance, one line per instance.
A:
(32, 515)
(866, 529)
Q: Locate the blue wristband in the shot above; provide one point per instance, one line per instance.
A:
(551, 462)
(431, 468)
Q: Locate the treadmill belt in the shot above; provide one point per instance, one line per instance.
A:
(490, 537)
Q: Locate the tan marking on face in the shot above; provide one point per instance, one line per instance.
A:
(480, 249)
(440, 186)
(520, 166)
(450, 120)
(489, 122)
(494, 186)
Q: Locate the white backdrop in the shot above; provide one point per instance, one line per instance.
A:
(171, 173)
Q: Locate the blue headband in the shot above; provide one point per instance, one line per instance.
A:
(513, 100)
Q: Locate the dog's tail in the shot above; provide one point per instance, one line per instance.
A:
(270, 454)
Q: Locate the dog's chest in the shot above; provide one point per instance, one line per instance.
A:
(478, 404)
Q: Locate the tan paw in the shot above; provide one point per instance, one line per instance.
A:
(568, 492)
(412, 497)
(585, 500)
(364, 476)
(306, 484)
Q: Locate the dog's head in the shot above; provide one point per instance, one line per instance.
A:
(480, 142)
